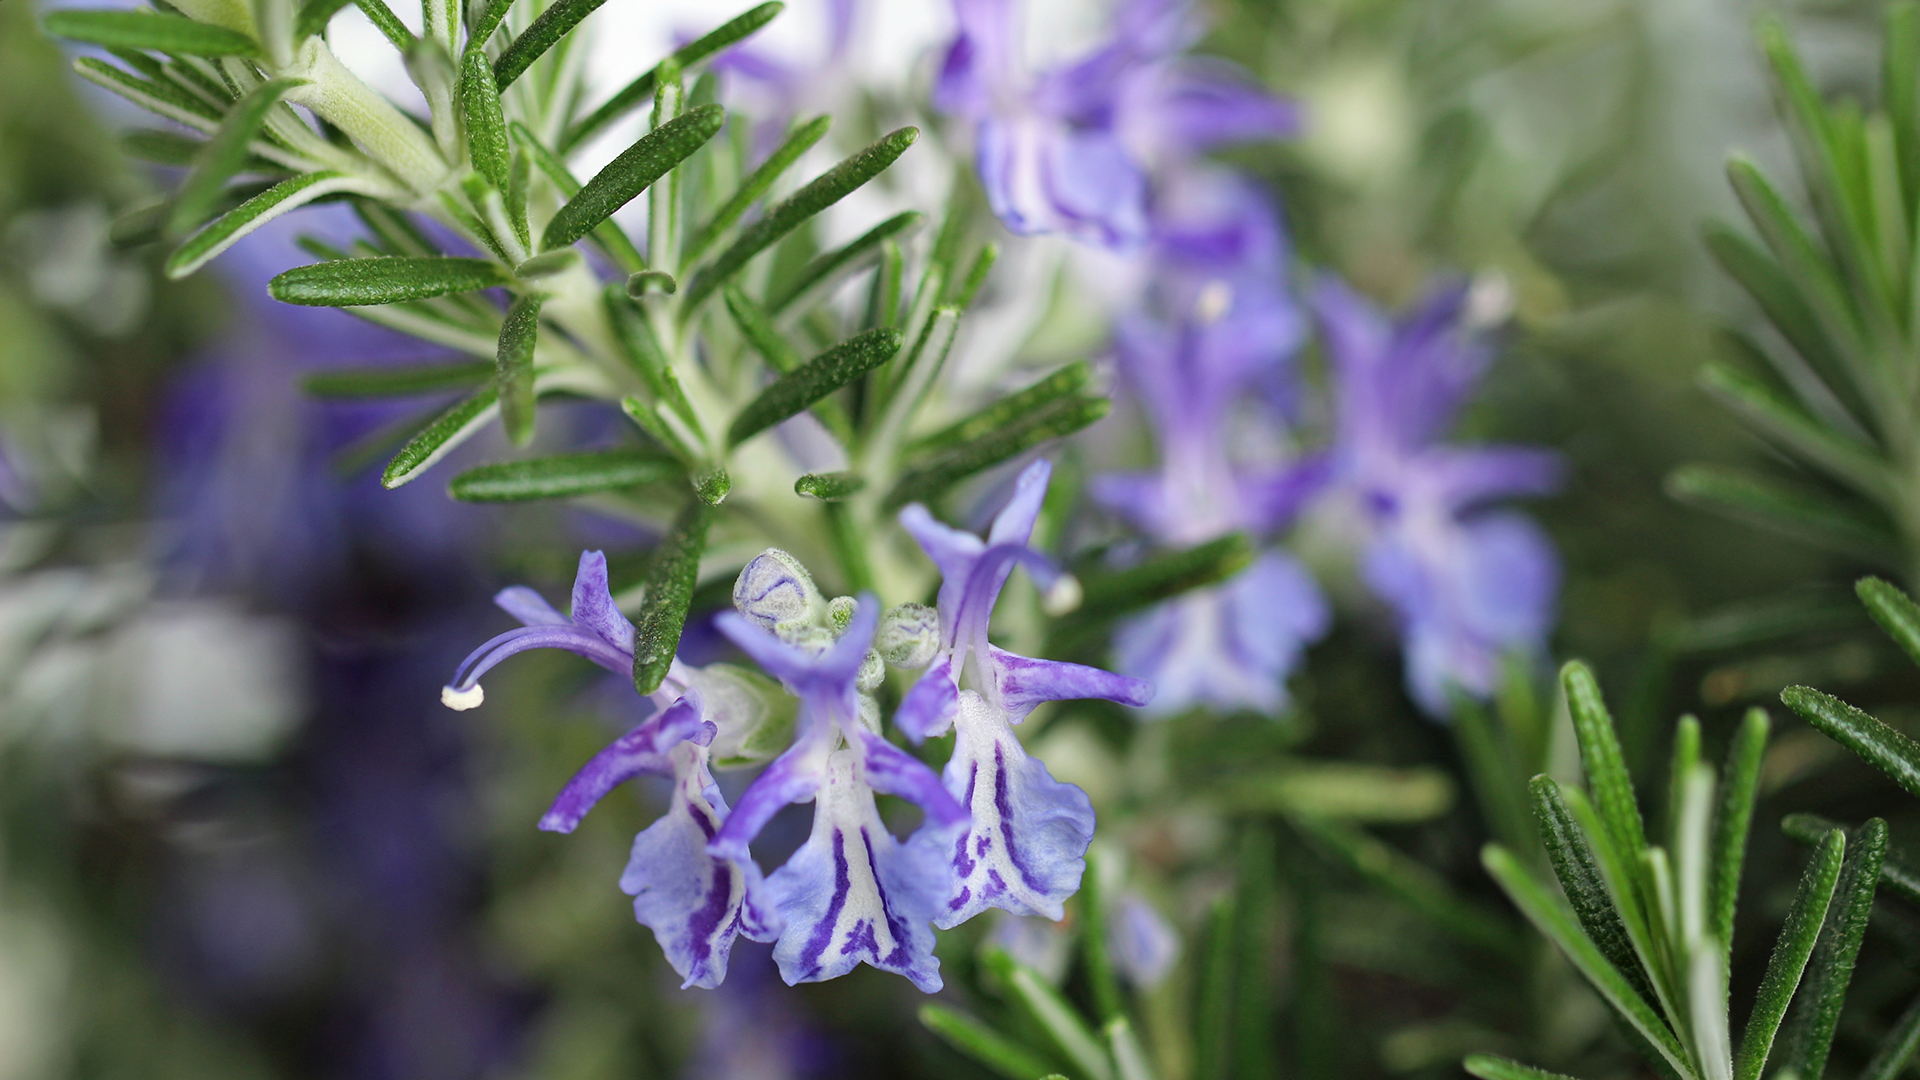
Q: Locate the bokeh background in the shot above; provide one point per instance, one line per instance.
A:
(239, 837)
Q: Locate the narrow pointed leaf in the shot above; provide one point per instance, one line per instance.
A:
(1900, 92)
(812, 381)
(1785, 422)
(386, 280)
(823, 191)
(439, 438)
(1581, 880)
(544, 32)
(844, 260)
(563, 476)
(640, 91)
(1897, 875)
(513, 367)
(671, 577)
(612, 239)
(486, 123)
(1600, 758)
(983, 1044)
(1897, 1048)
(757, 327)
(315, 16)
(932, 478)
(1789, 509)
(223, 155)
(161, 147)
(1733, 819)
(1545, 915)
(1067, 381)
(632, 173)
(389, 24)
(1129, 1056)
(1490, 1067)
(226, 230)
(1790, 952)
(829, 487)
(1896, 613)
(1052, 1014)
(162, 98)
(174, 35)
(1788, 311)
(976, 276)
(755, 185)
(1093, 907)
(1112, 594)
(1881, 746)
(1417, 885)
(397, 381)
(1816, 1012)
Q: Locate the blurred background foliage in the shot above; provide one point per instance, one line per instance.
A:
(161, 917)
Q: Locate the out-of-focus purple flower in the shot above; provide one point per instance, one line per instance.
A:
(1072, 149)
(780, 86)
(1141, 941)
(696, 901)
(851, 893)
(1025, 848)
(1469, 585)
(1208, 356)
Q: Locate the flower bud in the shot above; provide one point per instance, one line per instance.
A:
(908, 636)
(775, 588)
(840, 613)
(873, 672)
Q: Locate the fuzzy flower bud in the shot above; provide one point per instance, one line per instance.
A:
(909, 635)
(774, 589)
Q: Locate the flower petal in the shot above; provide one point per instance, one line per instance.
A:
(890, 770)
(697, 904)
(953, 553)
(852, 894)
(1024, 683)
(794, 776)
(645, 749)
(593, 605)
(1014, 523)
(528, 606)
(1026, 847)
(930, 704)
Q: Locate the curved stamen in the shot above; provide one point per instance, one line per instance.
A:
(464, 691)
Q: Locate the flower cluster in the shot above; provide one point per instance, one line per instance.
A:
(997, 830)
(1105, 150)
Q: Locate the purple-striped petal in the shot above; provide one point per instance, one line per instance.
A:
(593, 605)
(697, 904)
(853, 894)
(930, 704)
(646, 749)
(1024, 683)
(890, 770)
(794, 776)
(1026, 846)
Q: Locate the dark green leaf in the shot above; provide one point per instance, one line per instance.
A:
(1601, 759)
(161, 147)
(823, 191)
(227, 229)
(976, 276)
(1816, 1013)
(563, 476)
(829, 487)
(934, 477)
(159, 97)
(757, 327)
(651, 281)
(486, 123)
(1896, 613)
(440, 437)
(389, 24)
(640, 90)
(1092, 904)
(1785, 422)
(1493, 769)
(983, 1044)
(1214, 1000)
(1881, 746)
(1896, 874)
(397, 381)
(754, 186)
(631, 173)
(1787, 310)
(546, 31)
(1108, 596)
(1897, 1048)
(314, 17)
(611, 238)
(486, 23)
(1900, 92)
(1489, 1067)
(1732, 820)
(171, 34)
(388, 280)
(513, 367)
(1044, 1006)
(1792, 510)
(1545, 915)
(671, 576)
(846, 259)
(1063, 383)
(1585, 887)
(223, 156)
(812, 381)
(1790, 954)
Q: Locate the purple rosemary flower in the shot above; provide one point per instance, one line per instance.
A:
(851, 893)
(1072, 149)
(1025, 847)
(1468, 584)
(1209, 361)
(695, 901)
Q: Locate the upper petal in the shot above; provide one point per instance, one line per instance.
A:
(646, 749)
(528, 606)
(1024, 683)
(1014, 523)
(593, 605)
(930, 704)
